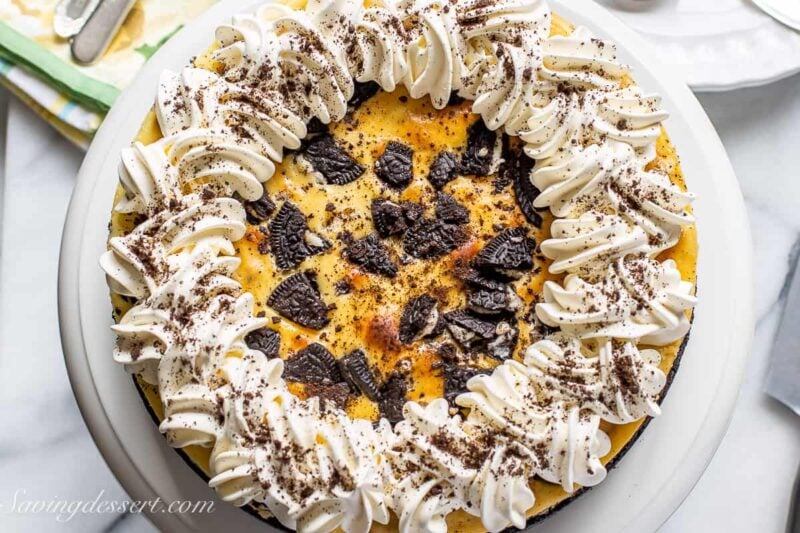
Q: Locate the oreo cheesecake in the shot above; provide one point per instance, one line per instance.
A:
(416, 266)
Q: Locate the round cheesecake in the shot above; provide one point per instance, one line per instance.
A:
(422, 266)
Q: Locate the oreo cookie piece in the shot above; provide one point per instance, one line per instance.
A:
(362, 91)
(393, 398)
(519, 166)
(358, 375)
(314, 127)
(482, 156)
(388, 217)
(479, 280)
(394, 167)
(290, 240)
(455, 99)
(265, 340)
(468, 329)
(443, 170)
(371, 256)
(493, 302)
(258, 211)
(419, 319)
(494, 337)
(504, 343)
(456, 377)
(313, 364)
(330, 161)
(297, 298)
(449, 210)
(429, 239)
(412, 211)
(505, 170)
(511, 250)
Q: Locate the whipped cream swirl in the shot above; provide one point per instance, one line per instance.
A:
(563, 443)
(610, 176)
(616, 381)
(638, 299)
(586, 244)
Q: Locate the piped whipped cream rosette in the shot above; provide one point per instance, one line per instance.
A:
(615, 379)
(563, 444)
(586, 245)
(592, 134)
(609, 176)
(638, 299)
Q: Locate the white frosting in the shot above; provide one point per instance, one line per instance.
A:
(136, 263)
(502, 492)
(314, 468)
(563, 444)
(588, 243)
(380, 53)
(499, 73)
(552, 123)
(610, 176)
(580, 60)
(423, 466)
(435, 53)
(617, 381)
(638, 299)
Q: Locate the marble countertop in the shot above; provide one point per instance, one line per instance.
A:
(46, 452)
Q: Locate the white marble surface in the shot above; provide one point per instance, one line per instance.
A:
(47, 452)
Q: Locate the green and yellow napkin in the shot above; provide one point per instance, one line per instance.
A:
(35, 64)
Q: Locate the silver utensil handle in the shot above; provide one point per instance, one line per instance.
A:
(90, 44)
(71, 15)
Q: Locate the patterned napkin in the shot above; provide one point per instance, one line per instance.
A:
(35, 64)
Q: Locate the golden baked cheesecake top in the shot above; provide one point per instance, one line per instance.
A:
(457, 294)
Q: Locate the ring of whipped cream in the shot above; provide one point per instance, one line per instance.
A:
(591, 133)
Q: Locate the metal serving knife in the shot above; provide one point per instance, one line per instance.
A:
(783, 378)
(71, 15)
(95, 36)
